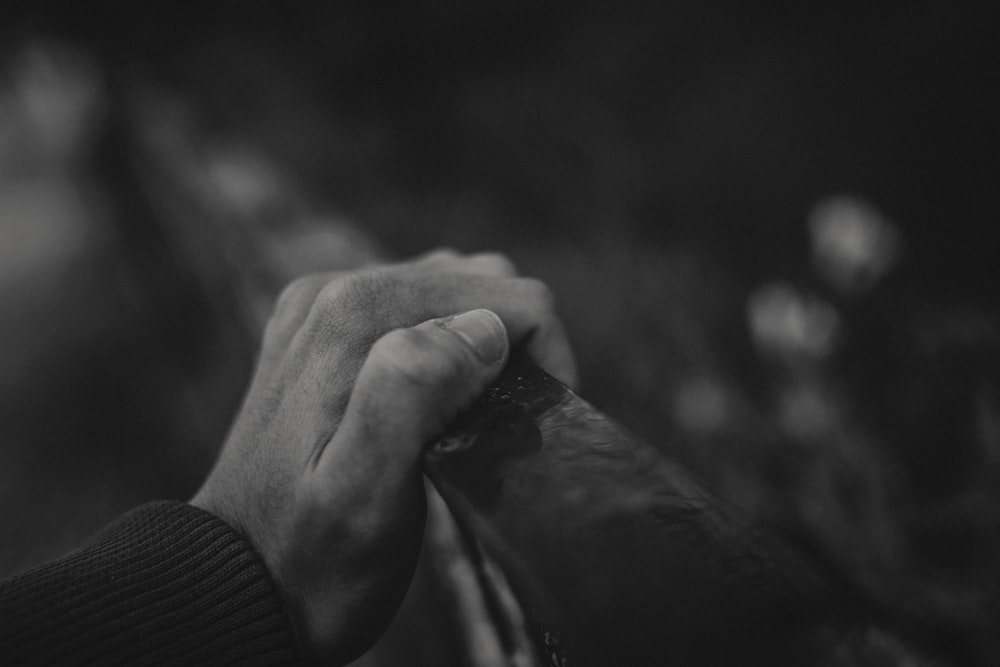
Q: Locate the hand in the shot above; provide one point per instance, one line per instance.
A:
(357, 372)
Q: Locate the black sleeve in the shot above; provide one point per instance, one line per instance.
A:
(165, 584)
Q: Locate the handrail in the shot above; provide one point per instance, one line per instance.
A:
(616, 554)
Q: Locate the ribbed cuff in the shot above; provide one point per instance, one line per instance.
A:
(165, 584)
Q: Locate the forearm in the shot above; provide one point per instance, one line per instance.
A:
(166, 583)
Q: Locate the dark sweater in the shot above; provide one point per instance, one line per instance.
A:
(165, 584)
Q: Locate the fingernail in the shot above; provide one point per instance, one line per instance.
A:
(482, 331)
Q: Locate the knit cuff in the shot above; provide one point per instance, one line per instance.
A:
(166, 583)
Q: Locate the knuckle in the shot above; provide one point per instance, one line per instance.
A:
(538, 292)
(442, 255)
(346, 315)
(291, 307)
(347, 292)
(443, 252)
(295, 295)
(496, 263)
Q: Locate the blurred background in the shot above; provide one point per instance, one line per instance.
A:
(770, 229)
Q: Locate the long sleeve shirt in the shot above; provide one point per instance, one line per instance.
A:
(166, 583)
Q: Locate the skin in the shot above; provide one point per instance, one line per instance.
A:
(357, 373)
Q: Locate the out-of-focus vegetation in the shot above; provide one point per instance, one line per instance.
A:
(770, 231)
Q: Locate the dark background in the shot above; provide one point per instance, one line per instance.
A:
(656, 163)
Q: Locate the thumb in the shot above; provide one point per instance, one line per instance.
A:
(411, 387)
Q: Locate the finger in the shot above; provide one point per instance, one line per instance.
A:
(547, 343)
(435, 257)
(291, 309)
(525, 305)
(354, 310)
(412, 385)
(489, 264)
(446, 260)
(293, 305)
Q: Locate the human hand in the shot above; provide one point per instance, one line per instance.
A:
(321, 470)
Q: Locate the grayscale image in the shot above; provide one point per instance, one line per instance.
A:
(499, 334)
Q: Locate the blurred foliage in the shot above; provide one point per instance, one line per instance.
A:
(828, 361)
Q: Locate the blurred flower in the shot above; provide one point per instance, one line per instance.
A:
(806, 414)
(48, 111)
(42, 229)
(853, 245)
(787, 325)
(701, 405)
(251, 188)
(60, 97)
